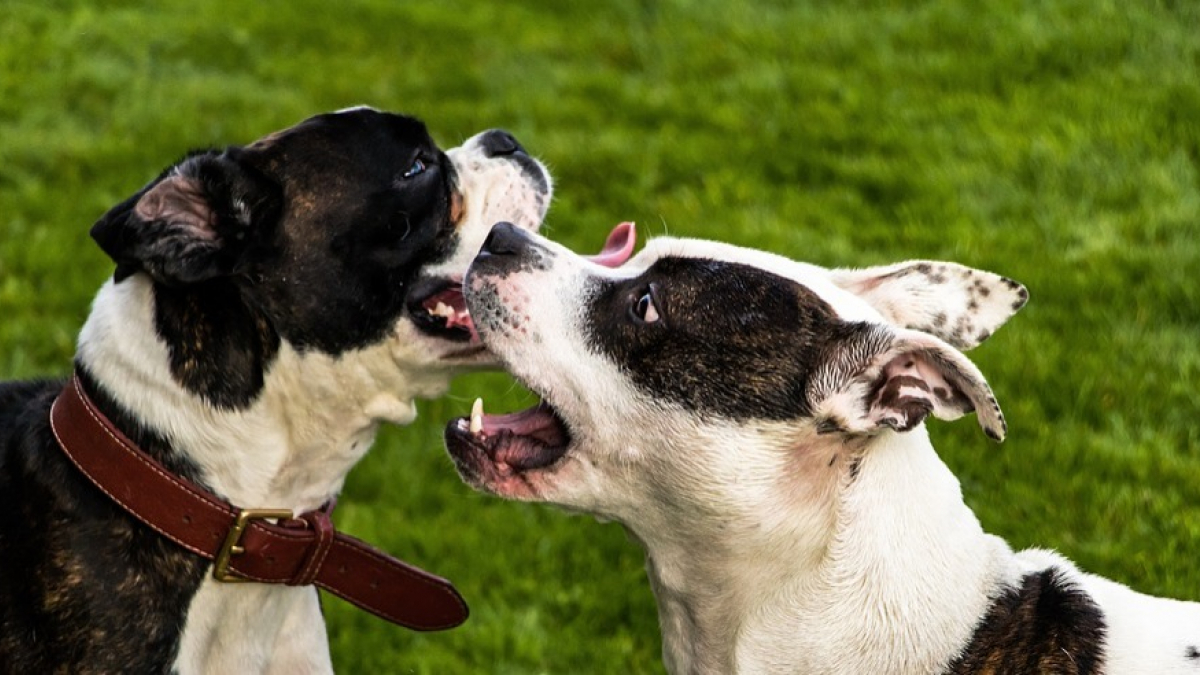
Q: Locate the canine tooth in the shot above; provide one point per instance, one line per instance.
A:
(442, 309)
(477, 416)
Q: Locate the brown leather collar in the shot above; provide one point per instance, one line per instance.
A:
(247, 547)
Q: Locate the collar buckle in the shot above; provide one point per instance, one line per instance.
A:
(232, 545)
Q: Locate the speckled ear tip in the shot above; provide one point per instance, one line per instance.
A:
(1018, 289)
(993, 424)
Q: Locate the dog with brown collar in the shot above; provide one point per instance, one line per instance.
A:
(272, 305)
(757, 424)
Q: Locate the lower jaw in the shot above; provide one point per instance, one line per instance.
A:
(485, 475)
(517, 487)
(474, 354)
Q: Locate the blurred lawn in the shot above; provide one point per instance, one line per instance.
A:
(1055, 142)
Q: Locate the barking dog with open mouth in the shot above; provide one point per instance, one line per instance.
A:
(272, 305)
(757, 425)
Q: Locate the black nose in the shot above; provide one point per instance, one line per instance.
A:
(500, 143)
(505, 239)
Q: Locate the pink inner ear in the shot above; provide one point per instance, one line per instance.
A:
(920, 378)
(181, 202)
(913, 388)
(618, 247)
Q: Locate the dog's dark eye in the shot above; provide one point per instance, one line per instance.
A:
(416, 169)
(643, 308)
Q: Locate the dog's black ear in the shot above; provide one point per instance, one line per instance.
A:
(191, 224)
(881, 378)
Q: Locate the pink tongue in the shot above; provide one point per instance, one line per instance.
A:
(618, 247)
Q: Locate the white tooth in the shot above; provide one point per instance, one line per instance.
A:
(477, 416)
(442, 309)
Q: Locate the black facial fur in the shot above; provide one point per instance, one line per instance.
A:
(1048, 625)
(218, 346)
(731, 340)
(357, 232)
(310, 235)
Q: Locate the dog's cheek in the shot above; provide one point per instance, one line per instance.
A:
(497, 311)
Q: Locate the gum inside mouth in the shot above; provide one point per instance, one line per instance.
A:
(438, 308)
(527, 440)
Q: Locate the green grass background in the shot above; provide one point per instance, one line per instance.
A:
(1056, 142)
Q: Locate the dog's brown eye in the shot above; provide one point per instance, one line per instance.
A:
(644, 308)
(416, 169)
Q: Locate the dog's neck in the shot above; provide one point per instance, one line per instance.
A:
(863, 595)
(291, 448)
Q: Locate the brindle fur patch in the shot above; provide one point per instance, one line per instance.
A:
(84, 588)
(1047, 625)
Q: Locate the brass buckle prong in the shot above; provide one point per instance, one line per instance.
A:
(232, 545)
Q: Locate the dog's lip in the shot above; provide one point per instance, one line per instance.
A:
(438, 309)
(518, 442)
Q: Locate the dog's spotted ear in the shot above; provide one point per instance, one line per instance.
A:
(880, 378)
(958, 304)
(190, 224)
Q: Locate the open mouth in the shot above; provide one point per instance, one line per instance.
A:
(488, 449)
(509, 444)
(437, 308)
